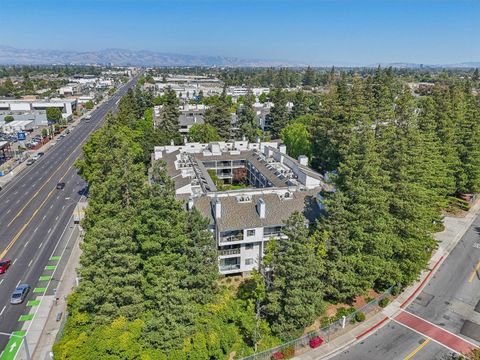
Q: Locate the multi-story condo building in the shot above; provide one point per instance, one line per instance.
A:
(247, 191)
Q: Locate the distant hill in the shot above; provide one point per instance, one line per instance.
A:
(122, 57)
(464, 65)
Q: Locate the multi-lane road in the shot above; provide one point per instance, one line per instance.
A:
(34, 214)
(443, 319)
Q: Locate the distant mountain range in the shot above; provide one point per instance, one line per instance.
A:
(122, 57)
(10, 55)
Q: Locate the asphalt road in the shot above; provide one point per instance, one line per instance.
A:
(439, 312)
(34, 214)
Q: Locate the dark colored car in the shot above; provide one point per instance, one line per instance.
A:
(60, 186)
(19, 294)
(4, 265)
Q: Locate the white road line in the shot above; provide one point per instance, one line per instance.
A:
(8, 212)
(44, 216)
(39, 246)
(35, 229)
(14, 261)
(25, 245)
(1, 312)
(1, 281)
(18, 283)
(30, 263)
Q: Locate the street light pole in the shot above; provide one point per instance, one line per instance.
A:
(23, 338)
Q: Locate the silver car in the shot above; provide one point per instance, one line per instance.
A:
(19, 294)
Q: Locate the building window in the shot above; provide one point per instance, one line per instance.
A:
(249, 246)
(251, 232)
(249, 261)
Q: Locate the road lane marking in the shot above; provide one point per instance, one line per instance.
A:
(46, 182)
(18, 284)
(1, 281)
(420, 347)
(30, 263)
(20, 232)
(14, 261)
(474, 272)
(1, 312)
(39, 246)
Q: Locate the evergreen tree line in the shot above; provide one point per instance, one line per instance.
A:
(149, 268)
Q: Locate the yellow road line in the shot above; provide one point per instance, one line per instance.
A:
(20, 232)
(474, 272)
(420, 347)
(45, 183)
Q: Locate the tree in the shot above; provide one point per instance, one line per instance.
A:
(247, 119)
(309, 77)
(277, 119)
(203, 133)
(8, 118)
(89, 105)
(297, 138)
(169, 116)
(294, 298)
(218, 115)
(54, 114)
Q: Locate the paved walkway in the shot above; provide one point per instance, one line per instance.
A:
(455, 228)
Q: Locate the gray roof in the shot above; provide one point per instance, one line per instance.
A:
(243, 215)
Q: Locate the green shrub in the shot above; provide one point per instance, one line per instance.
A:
(288, 352)
(395, 290)
(359, 316)
(383, 302)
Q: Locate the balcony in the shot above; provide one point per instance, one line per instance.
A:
(229, 252)
(231, 238)
(230, 267)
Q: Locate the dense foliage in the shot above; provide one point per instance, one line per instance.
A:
(395, 159)
(148, 268)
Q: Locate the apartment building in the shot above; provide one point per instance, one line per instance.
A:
(246, 190)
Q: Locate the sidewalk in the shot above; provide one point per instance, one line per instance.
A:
(4, 180)
(50, 316)
(455, 228)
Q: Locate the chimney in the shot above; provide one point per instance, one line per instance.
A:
(217, 209)
(190, 203)
(261, 208)
(282, 148)
(303, 160)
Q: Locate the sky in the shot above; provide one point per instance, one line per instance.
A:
(321, 32)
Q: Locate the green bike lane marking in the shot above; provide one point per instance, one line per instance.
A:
(27, 317)
(13, 345)
(45, 278)
(39, 290)
(55, 258)
(50, 267)
(33, 303)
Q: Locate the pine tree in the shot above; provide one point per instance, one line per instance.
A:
(219, 116)
(300, 105)
(309, 77)
(169, 116)
(247, 119)
(294, 299)
(278, 117)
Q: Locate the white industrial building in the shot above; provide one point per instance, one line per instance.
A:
(13, 106)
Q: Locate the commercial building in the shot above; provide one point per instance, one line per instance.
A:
(246, 190)
(12, 106)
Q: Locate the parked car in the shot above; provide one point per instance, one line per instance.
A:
(30, 161)
(4, 265)
(20, 293)
(40, 153)
(60, 185)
